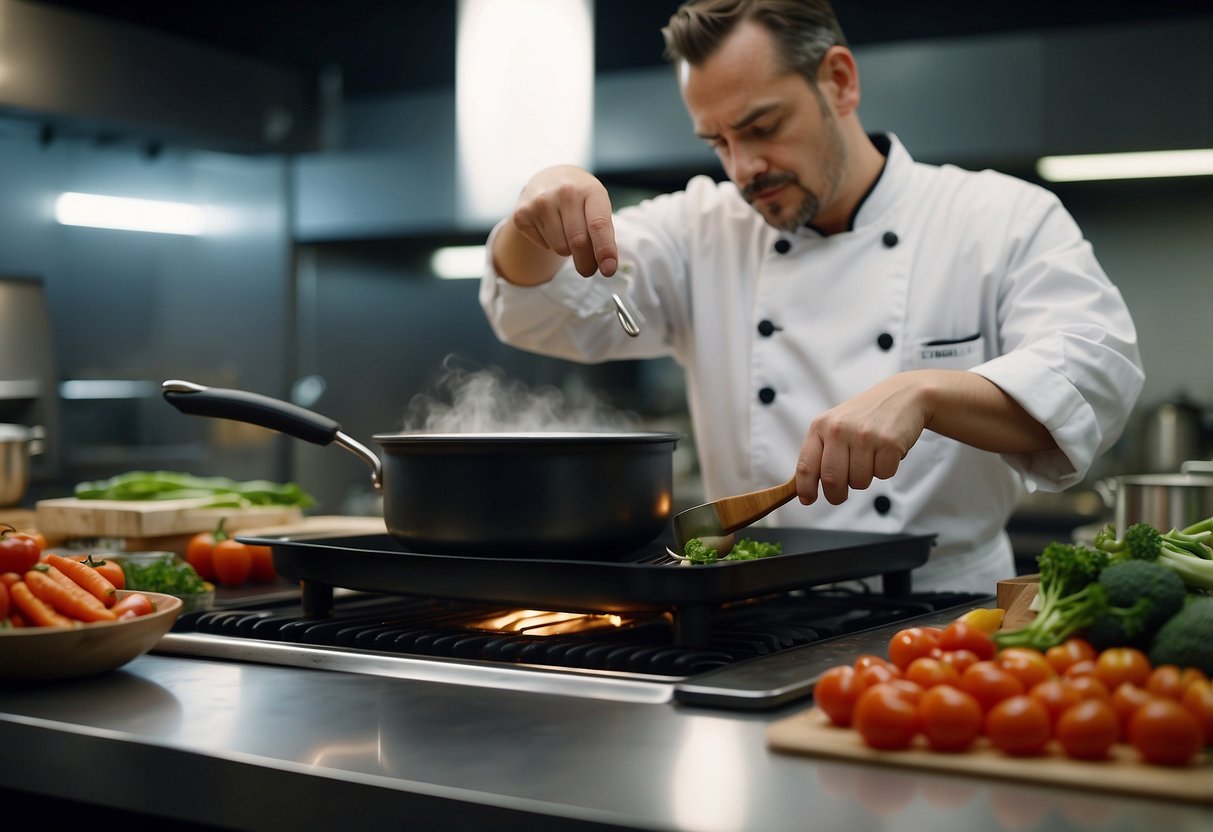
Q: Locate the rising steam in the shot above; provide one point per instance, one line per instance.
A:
(465, 400)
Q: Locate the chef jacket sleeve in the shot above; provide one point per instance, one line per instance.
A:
(1069, 347)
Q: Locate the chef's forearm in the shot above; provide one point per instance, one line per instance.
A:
(972, 409)
(520, 261)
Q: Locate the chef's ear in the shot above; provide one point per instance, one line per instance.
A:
(838, 80)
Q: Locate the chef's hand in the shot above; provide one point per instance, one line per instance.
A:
(863, 438)
(566, 210)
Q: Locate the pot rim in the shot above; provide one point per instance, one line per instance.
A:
(544, 438)
(1189, 479)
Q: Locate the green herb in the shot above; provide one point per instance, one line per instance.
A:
(167, 576)
(745, 549)
(170, 485)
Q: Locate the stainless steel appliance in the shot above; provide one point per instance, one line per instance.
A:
(29, 393)
(742, 635)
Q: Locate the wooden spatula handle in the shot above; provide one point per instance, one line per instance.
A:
(744, 509)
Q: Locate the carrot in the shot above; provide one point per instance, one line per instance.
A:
(35, 611)
(54, 572)
(73, 601)
(10, 578)
(93, 581)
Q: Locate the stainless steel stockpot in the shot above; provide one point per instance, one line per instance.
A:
(17, 444)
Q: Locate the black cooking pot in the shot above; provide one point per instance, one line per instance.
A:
(575, 495)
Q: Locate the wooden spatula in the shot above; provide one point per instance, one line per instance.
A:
(715, 522)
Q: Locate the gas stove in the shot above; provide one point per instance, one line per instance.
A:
(642, 627)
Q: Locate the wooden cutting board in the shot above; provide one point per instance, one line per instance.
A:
(69, 517)
(810, 732)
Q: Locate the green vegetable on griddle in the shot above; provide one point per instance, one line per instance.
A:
(696, 551)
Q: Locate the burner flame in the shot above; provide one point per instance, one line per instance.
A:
(547, 623)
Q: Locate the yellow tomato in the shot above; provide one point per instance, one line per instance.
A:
(986, 619)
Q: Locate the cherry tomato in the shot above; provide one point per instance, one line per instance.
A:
(1069, 653)
(1165, 680)
(1082, 667)
(989, 684)
(1056, 696)
(19, 552)
(1122, 664)
(1191, 674)
(263, 564)
(1165, 733)
(4, 602)
(912, 643)
(1125, 700)
(1019, 725)
(869, 659)
(874, 674)
(1087, 687)
(1028, 666)
(959, 659)
(1087, 730)
(951, 719)
(885, 717)
(1198, 701)
(960, 635)
(231, 562)
(199, 552)
(837, 691)
(929, 672)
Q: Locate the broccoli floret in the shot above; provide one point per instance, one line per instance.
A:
(1184, 640)
(1186, 552)
(1070, 597)
(697, 552)
(1141, 596)
(747, 549)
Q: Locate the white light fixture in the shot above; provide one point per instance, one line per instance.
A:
(126, 214)
(524, 96)
(1149, 165)
(458, 262)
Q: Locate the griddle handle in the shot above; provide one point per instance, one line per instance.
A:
(253, 408)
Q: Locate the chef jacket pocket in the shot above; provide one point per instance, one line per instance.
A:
(949, 353)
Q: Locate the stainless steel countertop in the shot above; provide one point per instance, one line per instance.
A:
(262, 747)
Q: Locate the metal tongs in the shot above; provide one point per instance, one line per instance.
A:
(625, 317)
(714, 522)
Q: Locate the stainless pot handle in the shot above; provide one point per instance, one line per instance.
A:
(1197, 466)
(275, 414)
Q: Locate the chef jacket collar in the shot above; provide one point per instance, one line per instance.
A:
(885, 188)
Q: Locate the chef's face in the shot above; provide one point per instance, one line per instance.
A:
(772, 130)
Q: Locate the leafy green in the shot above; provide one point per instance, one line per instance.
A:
(171, 485)
(1071, 599)
(696, 551)
(170, 576)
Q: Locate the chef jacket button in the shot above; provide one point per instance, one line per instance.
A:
(882, 504)
(889, 239)
(766, 395)
(885, 341)
(783, 246)
(766, 329)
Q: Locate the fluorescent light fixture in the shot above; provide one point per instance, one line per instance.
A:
(1150, 165)
(524, 96)
(126, 214)
(457, 262)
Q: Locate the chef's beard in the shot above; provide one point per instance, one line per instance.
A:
(833, 166)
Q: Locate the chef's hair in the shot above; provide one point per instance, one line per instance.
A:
(802, 30)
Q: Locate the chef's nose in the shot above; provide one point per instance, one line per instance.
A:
(747, 165)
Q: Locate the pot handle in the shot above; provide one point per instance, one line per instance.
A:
(275, 414)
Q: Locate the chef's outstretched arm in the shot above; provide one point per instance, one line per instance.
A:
(562, 211)
(868, 436)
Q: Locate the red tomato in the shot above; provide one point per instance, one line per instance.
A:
(19, 552)
(1019, 725)
(869, 659)
(929, 672)
(959, 659)
(989, 684)
(1122, 664)
(1082, 667)
(1165, 733)
(885, 717)
(1069, 653)
(1125, 700)
(837, 691)
(231, 562)
(951, 719)
(263, 564)
(1165, 680)
(1028, 666)
(874, 674)
(1191, 674)
(912, 643)
(199, 552)
(960, 635)
(1198, 701)
(1056, 696)
(133, 606)
(3, 601)
(1087, 687)
(1087, 730)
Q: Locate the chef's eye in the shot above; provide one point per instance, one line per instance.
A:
(764, 130)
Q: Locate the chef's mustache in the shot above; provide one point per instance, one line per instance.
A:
(766, 183)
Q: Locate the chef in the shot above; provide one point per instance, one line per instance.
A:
(917, 345)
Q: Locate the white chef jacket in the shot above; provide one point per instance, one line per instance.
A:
(941, 268)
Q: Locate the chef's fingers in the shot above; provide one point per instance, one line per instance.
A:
(835, 472)
(601, 229)
(886, 462)
(808, 468)
(580, 244)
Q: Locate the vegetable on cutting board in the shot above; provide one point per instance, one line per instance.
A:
(171, 485)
